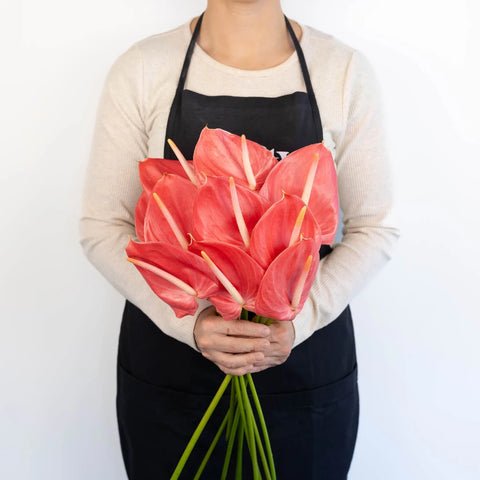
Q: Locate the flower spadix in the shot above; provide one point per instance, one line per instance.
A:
(226, 212)
(150, 171)
(234, 293)
(308, 173)
(169, 212)
(240, 277)
(237, 211)
(285, 285)
(280, 227)
(176, 275)
(187, 166)
(221, 153)
(300, 286)
(182, 240)
(247, 166)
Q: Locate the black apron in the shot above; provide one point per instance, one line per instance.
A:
(310, 402)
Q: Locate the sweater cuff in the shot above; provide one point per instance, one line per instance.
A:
(183, 329)
(304, 323)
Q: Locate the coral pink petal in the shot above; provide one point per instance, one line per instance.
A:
(225, 307)
(184, 265)
(290, 175)
(140, 210)
(242, 270)
(178, 195)
(219, 153)
(152, 169)
(280, 280)
(214, 217)
(271, 235)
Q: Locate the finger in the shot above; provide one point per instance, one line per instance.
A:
(235, 364)
(243, 328)
(221, 342)
(276, 349)
(259, 367)
(229, 344)
(269, 362)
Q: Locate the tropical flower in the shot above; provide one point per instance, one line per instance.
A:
(176, 275)
(223, 154)
(169, 213)
(308, 173)
(244, 231)
(227, 212)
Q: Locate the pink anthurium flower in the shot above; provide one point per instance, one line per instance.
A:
(152, 169)
(280, 227)
(176, 275)
(223, 154)
(186, 165)
(287, 281)
(227, 212)
(238, 272)
(308, 173)
(140, 209)
(168, 217)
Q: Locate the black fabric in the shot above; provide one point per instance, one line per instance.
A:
(310, 402)
(235, 115)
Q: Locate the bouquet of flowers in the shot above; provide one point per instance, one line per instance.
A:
(238, 228)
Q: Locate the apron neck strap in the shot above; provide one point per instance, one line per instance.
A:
(306, 79)
(301, 58)
(188, 58)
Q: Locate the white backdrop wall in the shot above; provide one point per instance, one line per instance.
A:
(417, 323)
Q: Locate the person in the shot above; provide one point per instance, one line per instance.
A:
(241, 66)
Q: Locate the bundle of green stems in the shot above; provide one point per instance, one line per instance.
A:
(243, 423)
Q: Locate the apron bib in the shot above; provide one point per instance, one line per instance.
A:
(310, 402)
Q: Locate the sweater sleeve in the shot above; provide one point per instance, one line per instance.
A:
(112, 188)
(366, 198)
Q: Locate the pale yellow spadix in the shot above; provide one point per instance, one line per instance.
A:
(188, 169)
(247, 166)
(171, 221)
(242, 226)
(307, 189)
(235, 294)
(165, 275)
(297, 294)
(298, 226)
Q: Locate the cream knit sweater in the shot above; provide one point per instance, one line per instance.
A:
(130, 126)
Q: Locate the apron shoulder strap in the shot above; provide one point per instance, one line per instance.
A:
(306, 79)
(183, 76)
(188, 58)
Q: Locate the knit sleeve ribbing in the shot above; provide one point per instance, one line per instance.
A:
(365, 190)
(112, 188)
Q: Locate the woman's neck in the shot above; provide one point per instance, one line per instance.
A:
(248, 34)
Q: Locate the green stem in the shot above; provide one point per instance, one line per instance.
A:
(250, 430)
(231, 410)
(258, 439)
(262, 452)
(245, 422)
(200, 427)
(211, 448)
(238, 469)
(233, 434)
(262, 424)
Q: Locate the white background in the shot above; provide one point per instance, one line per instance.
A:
(417, 324)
